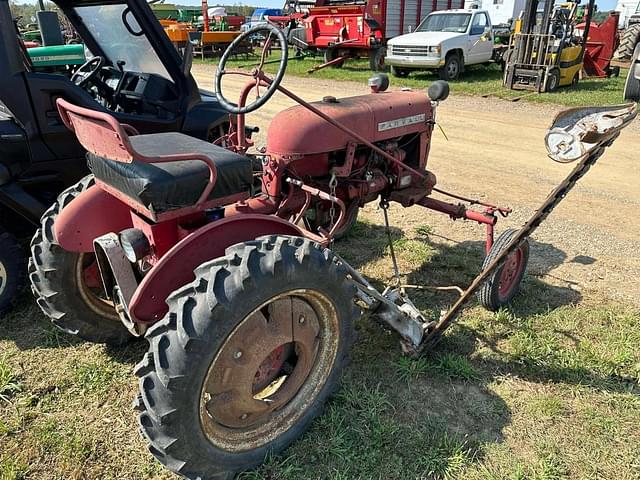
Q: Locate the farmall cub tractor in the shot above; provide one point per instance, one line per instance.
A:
(248, 314)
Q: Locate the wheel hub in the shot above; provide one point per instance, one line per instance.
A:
(4, 278)
(510, 272)
(262, 365)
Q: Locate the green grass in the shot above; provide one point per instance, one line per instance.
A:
(477, 80)
(546, 390)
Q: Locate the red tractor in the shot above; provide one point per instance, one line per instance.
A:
(249, 316)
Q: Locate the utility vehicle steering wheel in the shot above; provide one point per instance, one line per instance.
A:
(259, 78)
(87, 71)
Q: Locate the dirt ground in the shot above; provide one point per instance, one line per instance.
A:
(495, 151)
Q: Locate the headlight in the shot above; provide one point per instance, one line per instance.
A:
(435, 49)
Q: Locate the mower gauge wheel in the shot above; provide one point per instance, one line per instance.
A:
(257, 74)
(87, 71)
(503, 285)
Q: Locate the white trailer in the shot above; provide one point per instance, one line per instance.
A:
(502, 12)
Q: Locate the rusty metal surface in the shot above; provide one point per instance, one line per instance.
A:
(269, 369)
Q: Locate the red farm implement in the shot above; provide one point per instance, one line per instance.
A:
(600, 46)
(248, 312)
(343, 30)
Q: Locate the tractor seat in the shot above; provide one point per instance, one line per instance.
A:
(161, 187)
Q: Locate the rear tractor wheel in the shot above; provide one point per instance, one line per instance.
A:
(67, 285)
(246, 357)
(503, 285)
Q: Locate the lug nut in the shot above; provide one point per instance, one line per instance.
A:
(301, 319)
(237, 355)
(243, 416)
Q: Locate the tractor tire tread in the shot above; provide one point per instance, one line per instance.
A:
(200, 316)
(628, 42)
(48, 269)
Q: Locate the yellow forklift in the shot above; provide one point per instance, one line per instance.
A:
(545, 53)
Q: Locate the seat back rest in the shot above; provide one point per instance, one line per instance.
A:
(102, 135)
(98, 132)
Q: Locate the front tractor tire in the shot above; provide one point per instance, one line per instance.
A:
(246, 357)
(504, 283)
(67, 285)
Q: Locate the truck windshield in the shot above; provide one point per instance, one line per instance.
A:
(445, 22)
(106, 24)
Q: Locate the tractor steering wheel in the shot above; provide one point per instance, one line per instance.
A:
(87, 71)
(259, 78)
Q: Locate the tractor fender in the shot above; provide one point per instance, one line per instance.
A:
(90, 215)
(176, 267)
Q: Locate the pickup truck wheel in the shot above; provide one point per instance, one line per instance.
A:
(452, 67)
(399, 72)
(12, 270)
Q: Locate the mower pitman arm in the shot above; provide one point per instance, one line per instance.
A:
(576, 134)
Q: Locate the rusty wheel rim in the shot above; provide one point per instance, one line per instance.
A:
(92, 292)
(269, 370)
(510, 273)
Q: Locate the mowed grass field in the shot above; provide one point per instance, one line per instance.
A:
(476, 80)
(546, 389)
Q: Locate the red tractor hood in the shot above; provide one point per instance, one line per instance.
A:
(377, 116)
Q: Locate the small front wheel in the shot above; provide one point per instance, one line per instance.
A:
(246, 357)
(504, 283)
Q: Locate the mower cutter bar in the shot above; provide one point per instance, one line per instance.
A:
(587, 131)
(578, 134)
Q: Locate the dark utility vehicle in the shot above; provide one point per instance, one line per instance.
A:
(132, 71)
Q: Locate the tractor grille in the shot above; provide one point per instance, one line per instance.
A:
(416, 50)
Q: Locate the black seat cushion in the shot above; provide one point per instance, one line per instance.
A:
(168, 186)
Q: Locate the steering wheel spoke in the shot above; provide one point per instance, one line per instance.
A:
(271, 34)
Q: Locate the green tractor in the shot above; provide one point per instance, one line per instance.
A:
(55, 58)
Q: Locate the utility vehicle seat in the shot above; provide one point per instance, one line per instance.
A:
(159, 172)
(167, 186)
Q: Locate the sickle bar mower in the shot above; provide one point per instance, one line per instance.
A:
(248, 313)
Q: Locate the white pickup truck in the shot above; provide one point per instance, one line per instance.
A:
(446, 41)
